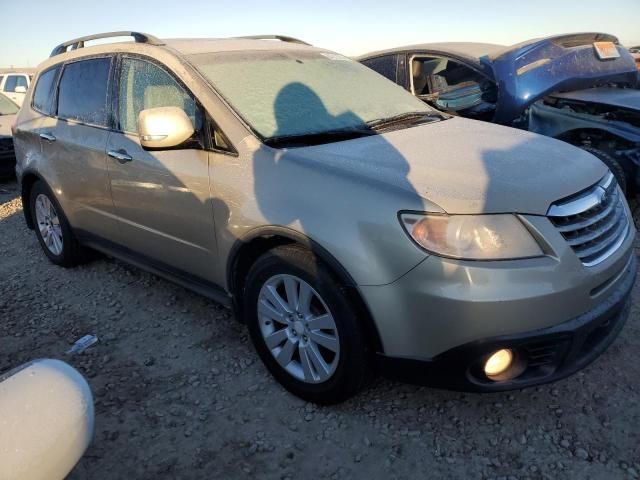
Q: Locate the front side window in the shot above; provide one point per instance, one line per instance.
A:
(14, 81)
(82, 95)
(144, 85)
(386, 66)
(435, 75)
(294, 93)
(43, 95)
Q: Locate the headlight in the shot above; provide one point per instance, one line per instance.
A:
(472, 237)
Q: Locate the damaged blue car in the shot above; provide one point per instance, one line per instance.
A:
(578, 88)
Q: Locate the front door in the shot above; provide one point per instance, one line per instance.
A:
(161, 198)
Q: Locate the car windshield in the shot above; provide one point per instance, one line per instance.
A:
(7, 107)
(295, 93)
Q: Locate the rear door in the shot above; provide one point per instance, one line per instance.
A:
(161, 197)
(73, 142)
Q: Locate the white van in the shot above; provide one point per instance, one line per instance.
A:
(15, 85)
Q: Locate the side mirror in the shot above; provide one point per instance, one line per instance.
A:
(20, 89)
(164, 127)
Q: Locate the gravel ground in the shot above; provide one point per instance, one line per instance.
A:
(180, 392)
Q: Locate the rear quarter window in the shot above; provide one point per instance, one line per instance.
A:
(43, 94)
(82, 94)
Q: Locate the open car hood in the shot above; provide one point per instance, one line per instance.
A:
(625, 98)
(531, 70)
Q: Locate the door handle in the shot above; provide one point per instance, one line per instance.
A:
(120, 155)
(48, 137)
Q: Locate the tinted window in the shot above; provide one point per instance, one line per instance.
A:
(385, 66)
(1, 77)
(43, 95)
(82, 94)
(144, 85)
(14, 81)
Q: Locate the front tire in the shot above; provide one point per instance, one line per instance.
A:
(612, 163)
(52, 228)
(303, 326)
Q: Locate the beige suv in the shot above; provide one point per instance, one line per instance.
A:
(353, 228)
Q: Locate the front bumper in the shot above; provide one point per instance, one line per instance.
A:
(7, 157)
(548, 354)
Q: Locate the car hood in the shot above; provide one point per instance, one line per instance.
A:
(462, 166)
(531, 70)
(626, 98)
(5, 124)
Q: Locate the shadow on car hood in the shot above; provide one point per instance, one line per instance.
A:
(531, 70)
(463, 166)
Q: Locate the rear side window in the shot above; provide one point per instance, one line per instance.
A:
(14, 81)
(385, 66)
(43, 95)
(144, 85)
(82, 94)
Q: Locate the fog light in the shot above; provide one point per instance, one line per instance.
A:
(498, 363)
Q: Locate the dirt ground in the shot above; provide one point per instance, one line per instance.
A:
(180, 393)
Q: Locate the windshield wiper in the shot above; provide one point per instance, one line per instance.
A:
(318, 138)
(407, 117)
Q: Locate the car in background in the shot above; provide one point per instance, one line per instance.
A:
(15, 85)
(353, 228)
(570, 87)
(8, 112)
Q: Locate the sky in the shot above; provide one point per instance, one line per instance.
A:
(31, 28)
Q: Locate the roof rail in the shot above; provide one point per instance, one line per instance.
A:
(282, 38)
(77, 43)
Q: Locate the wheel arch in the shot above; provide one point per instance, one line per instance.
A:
(249, 248)
(27, 181)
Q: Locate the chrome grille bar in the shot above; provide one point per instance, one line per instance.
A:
(594, 223)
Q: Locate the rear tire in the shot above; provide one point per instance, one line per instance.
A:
(53, 229)
(326, 372)
(613, 164)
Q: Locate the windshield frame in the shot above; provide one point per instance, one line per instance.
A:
(273, 141)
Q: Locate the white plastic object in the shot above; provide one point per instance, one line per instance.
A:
(46, 420)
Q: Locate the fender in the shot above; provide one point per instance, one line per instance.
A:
(25, 189)
(288, 235)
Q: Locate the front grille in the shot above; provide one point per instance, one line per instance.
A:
(594, 223)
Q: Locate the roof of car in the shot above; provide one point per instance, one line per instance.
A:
(470, 50)
(77, 48)
(185, 46)
(192, 46)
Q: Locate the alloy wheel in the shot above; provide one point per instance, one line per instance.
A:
(298, 328)
(49, 224)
